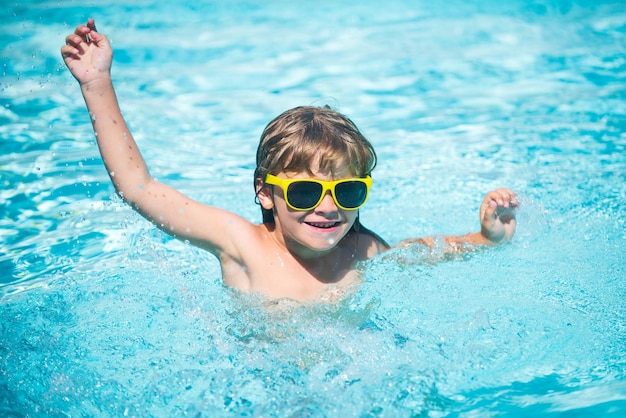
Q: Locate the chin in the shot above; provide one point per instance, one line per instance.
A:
(308, 247)
(325, 242)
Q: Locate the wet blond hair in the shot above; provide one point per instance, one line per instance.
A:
(307, 135)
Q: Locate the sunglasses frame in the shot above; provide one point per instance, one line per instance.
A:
(326, 186)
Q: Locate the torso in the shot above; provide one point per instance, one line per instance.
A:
(266, 267)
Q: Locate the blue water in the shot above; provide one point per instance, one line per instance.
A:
(101, 315)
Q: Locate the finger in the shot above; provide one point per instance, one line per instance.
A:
(487, 209)
(513, 198)
(508, 192)
(81, 30)
(69, 51)
(81, 33)
(491, 211)
(96, 37)
(73, 40)
(503, 197)
(91, 24)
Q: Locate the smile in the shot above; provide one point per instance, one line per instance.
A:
(323, 225)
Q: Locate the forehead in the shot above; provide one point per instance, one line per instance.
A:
(323, 168)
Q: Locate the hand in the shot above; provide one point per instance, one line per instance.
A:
(87, 54)
(497, 215)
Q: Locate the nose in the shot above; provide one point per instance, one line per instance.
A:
(327, 204)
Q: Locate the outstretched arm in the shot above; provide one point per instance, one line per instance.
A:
(88, 55)
(497, 220)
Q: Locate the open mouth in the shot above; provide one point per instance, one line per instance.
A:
(323, 225)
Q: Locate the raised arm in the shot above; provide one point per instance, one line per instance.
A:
(497, 220)
(88, 55)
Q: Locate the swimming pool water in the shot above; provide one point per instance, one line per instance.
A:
(104, 316)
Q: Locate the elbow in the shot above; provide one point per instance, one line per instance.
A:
(133, 193)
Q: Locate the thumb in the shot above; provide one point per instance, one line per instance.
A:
(93, 34)
(488, 211)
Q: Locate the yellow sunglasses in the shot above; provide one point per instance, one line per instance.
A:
(306, 194)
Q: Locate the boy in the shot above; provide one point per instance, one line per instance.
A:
(313, 174)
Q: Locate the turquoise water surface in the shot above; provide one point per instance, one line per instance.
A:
(102, 315)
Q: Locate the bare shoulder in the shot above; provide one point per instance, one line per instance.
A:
(215, 229)
(370, 242)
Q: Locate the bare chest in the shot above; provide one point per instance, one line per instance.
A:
(278, 274)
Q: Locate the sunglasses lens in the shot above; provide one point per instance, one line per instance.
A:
(351, 194)
(304, 194)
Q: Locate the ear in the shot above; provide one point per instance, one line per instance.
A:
(264, 194)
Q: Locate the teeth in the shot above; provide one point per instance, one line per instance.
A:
(322, 225)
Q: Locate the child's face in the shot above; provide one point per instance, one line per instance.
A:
(316, 231)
